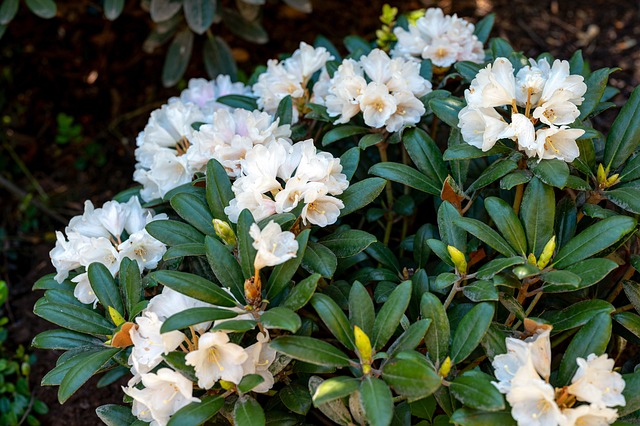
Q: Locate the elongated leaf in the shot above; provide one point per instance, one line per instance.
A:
(508, 223)
(199, 14)
(474, 389)
(593, 240)
(334, 388)
(178, 55)
(360, 194)
(490, 269)
(631, 170)
(130, 285)
(313, 351)
(246, 251)
(437, 337)
(390, 314)
(450, 234)
(578, 314)
(105, 287)
(112, 9)
(447, 109)
(425, 154)
(247, 412)
(115, 415)
(224, 266)
(284, 113)
(283, 273)
(63, 339)
(342, 132)
(537, 211)
(551, 172)
(626, 198)
(515, 178)
(218, 58)
(624, 136)
(8, 11)
(74, 318)
(184, 250)
(194, 286)
(470, 331)
(319, 259)
(193, 316)
(596, 85)
(590, 339)
(218, 191)
(361, 310)
(406, 175)
(82, 372)
(492, 173)
(197, 413)
(249, 382)
(42, 8)
(483, 27)
(485, 234)
(238, 101)
(162, 10)
(194, 211)
(173, 233)
(249, 30)
(630, 321)
(411, 377)
(334, 319)
(481, 291)
(301, 293)
(464, 151)
(349, 161)
(281, 318)
(375, 397)
(348, 243)
(469, 417)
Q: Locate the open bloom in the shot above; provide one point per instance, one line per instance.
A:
(596, 382)
(149, 344)
(260, 357)
(216, 358)
(274, 245)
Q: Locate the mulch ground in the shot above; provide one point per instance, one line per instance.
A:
(94, 71)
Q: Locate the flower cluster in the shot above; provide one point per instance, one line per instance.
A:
(523, 375)
(385, 90)
(159, 394)
(277, 177)
(441, 38)
(162, 145)
(549, 95)
(105, 235)
(290, 77)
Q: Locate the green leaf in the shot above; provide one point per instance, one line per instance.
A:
(566, 221)
(470, 331)
(360, 194)
(281, 318)
(342, 132)
(237, 326)
(375, 397)
(474, 389)
(369, 140)
(296, 398)
(469, 417)
(194, 211)
(334, 319)
(348, 243)
(490, 269)
(173, 233)
(411, 337)
(225, 266)
(411, 377)
(515, 178)
(596, 85)
(199, 14)
(74, 318)
(406, 175)
(361, 309)
(425, 154)
(177, 361)
(313, 351)
(467, 69)
(246, 252)
(481, 291)
(590, 339)
(238, 101)
(248, 412)
(464, 151)
(79, 374)
(249, 382)
(437, 337)
(508, 223)
(349, 161)
(301, 293)
(578, 314)
(485, 234)
(285, 111)
(218, 191)
(631, 393)
(319, 259)
(552, 172)
(194, 286)
(249, 30)
(421, 250)
(631, 170)
(193, 316)
(390, 314)
(593, 240)
(197, 413)
(42, 8)
(334, 388)
(283, 273)
(624, 135)
(483, 27)
(447, 109)
(105, 287)
(178, 55)
(63, 339)
(565, 278)
(8, 11)
(450, 234)
(500, 48)
(115, 415)
(218, 58)
(626, 198)
(590, 271)
(537, 211)
(384, 255)
(130, 285)
(356, 45)
(632, 290)
(492, 173)
(184, 250)
(493, 342)
(630, 321)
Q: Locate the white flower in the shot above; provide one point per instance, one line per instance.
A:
(274, 245)
(441, 52)
(149, 344)
(216, 359)
(530, 81)
(171, 302)
(481, 127)
(83, 291)
(204, 93)
(409, 110)
(64, 256)
(143, 248)
(501, 89)
(88, 224)
(589, 415)
(167, 172)
(507, 365)
(532, 400)
(520, 130)
(557, 110)
(260, 357)
(164, 393)
(557, 142)
(377, 104)
(321, 209)
(560, 80)
(260, 206)
(596, 382)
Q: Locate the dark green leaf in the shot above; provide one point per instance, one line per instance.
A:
(281, 318)
(631, 170)
(450, 234)
(566, 221)
(238, 101)
(224, 266)
(193, 316)
(218, 58)
(105, 287)
(348, 243)
(631, 393)
(630, 321)
(537, 211)
(342, 132)
(296, 398)
(173, 233)
(249, 30)
(375, 397)
(465, 151)
(578, 314)
(248, 412)
(411, 377)
(562, 278)
(246, 252)
(184, 250)
(406, 175)
(490, 269)
(425, 154)
(508, 223)
(115, 415)
(9, 8)
(492, 173)
(470, 331)
(249, 382)
(313, 351)
(551, 172)
(199, 14)
(596, 84)
(319, 259)
(361, 310)
(626, 198)
(74, 318)
(485, 234)
(624, 135)
(178, 55)
(467, 69)
(334, 388)
(283, 273)
(411, 338)
(483, 27)
(194, 286)
(437, 337)
(349, 162)
(194, 211)
(390, 314)
(334, 319)
(360, 194)
(197, 413)
(515, 178)
(470, 417)
(370, 140)
(82, 372)
(447, 109)
(301, 293)
(63, 339)
(42, 8)
(285, 111)
(481, 291)
(218, 191)
(474, 389)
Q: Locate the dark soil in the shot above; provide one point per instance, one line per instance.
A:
(95, 71)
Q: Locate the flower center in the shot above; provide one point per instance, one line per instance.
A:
(214, 357)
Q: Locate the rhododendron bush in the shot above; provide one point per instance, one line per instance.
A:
(429, 231)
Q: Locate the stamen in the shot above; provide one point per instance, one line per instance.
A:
(213, 357)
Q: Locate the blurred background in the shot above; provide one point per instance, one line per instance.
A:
(76, 89)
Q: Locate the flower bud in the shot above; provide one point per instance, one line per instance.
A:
(458, 259)
(116, 317)
(224, 232)
(601, 175)
(363, 344)
(547, 252)
(612, 180)
(445, 368)
(226, 385)
(531, 259)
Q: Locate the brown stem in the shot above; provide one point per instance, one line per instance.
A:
(616, 291)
